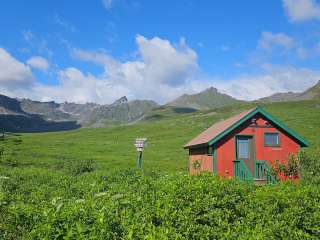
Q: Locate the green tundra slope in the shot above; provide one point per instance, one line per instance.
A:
(77, 184)
(167, 130)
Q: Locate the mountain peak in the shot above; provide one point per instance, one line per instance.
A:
(207, 99)
(8, 104)
(313, 92)
(121, 100)
(211, 90)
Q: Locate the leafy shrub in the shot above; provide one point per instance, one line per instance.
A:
(1, 150)
(291, 170)
(196, 164)
(78, 167)
(9, 146)
(136, 205)
(310, 166)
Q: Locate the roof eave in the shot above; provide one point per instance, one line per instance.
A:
(196, 145)
(303, 142)
(233, 126)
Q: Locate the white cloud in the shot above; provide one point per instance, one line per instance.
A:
(160, 71)
(269, 40)
(73, 86)
(13, 74)
(38, 63)
(274, 79)
(100, 58)
(107, 3)
(165, 63)
(301, 10)
(165, 71)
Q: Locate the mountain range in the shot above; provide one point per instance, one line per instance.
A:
(20, 115)
(310, 93)
(25, 115)
(90, 114)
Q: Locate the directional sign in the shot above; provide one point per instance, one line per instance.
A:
(140, 144)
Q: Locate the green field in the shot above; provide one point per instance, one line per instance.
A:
(42, 176)
(167, 132)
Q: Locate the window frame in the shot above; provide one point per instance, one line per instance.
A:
(272, 145)
(236, 146)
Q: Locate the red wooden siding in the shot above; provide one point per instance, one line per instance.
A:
(225, 148)
(205, 160)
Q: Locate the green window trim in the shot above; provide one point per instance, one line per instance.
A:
(214, 160)
(243, 148)
(235, 143)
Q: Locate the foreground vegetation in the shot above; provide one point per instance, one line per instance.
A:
(133, 205)
(78, 184)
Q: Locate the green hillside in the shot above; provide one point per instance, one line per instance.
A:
(311, 93)
(81, 184)
(167, 130)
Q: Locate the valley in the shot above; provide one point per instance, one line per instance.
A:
(84, 182)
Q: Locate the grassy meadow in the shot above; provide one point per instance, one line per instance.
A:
(82, 184)
(167, 132)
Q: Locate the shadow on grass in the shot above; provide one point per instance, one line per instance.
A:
(183, 110)
(33, 123)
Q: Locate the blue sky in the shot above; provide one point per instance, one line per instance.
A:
(100, 50)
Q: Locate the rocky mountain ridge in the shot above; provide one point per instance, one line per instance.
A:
(311, 93)
(28, 115)
(88, 114)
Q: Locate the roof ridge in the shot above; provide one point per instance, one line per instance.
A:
(236, 118)
(218, 130)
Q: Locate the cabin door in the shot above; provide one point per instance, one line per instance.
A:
(245, 150)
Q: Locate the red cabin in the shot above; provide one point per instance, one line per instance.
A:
(244, 146)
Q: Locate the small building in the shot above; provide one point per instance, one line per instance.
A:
(244, 146)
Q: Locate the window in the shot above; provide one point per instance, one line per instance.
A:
(271, 139)
(242, 148)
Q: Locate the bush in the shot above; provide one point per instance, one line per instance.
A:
(310, 166)
(134, 205)
(78, 167)
(291, 170)
(9, 146)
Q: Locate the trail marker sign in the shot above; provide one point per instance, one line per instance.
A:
(140, 144)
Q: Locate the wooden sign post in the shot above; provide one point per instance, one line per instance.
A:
(140, 143)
